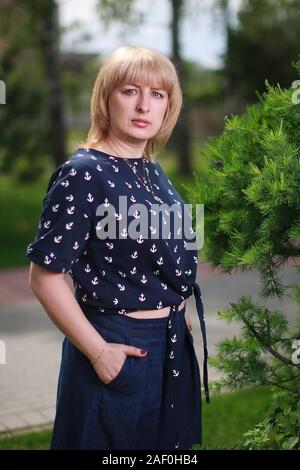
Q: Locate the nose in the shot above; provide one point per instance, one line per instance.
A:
(143, 103)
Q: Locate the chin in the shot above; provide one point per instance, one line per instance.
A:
(141, 133)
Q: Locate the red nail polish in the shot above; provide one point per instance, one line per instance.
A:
(143, 351)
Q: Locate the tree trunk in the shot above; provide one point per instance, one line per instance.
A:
(182, 136)
(51, 56)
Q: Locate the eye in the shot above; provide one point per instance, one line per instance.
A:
(159, 94)
(130, 89)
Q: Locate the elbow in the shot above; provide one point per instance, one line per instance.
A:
(33, 277)
(40, 277)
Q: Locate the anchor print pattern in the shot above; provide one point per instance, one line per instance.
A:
(154, 272)
(174, 366)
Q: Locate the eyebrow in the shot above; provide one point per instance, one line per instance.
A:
(135, 84)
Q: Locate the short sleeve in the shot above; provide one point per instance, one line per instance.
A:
(65, 224)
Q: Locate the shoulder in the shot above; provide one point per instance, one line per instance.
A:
(157, 166)
(84, 160)
(160, 172)
(82, 167)
(76, 181)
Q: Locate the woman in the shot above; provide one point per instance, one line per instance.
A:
(129, 377)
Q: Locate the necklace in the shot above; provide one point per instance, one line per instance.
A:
(145, 181)
(135, 171)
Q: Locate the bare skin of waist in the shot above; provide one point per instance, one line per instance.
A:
(155, 313)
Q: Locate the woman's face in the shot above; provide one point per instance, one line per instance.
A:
(130, 102)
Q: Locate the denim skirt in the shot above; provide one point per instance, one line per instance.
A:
(136, 410)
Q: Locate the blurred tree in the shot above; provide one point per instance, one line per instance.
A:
(203, 85)
(223, 6)
(32, 124)
(262, 45)
(48, 35)
(127, 14)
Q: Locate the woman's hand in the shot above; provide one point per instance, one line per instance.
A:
(112, 358)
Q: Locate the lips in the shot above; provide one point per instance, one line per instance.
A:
(141, 120)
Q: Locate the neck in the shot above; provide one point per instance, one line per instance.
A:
(123, 149)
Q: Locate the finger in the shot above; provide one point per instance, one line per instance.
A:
(132, 351)
(188, 323)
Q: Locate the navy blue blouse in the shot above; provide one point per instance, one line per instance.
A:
(121, 274)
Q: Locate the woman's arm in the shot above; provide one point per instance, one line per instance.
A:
(57, 298)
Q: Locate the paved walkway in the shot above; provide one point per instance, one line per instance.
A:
(28, 379)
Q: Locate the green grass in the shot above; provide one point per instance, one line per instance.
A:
(229, 415)
(20, 207)
(28, 441)
(225, 419)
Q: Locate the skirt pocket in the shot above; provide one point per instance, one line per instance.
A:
(122, 375)
(130, 362)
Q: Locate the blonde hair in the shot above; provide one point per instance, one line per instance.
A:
(134, 64)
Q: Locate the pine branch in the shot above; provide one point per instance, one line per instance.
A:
(262, 341)
(282, 387)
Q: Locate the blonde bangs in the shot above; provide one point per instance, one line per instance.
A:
(145, 70)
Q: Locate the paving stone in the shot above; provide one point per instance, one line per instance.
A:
(33, 418)
(13, 422)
